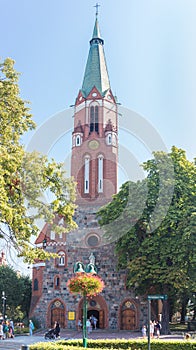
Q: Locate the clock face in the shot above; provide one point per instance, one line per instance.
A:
(94, 144)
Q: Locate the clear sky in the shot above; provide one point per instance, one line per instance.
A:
(150, 50)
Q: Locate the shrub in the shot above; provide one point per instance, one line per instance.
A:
(106, 344)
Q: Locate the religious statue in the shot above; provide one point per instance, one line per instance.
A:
(92, 259)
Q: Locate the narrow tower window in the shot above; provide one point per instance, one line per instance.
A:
(109, 139)
(86, 174)
(78, 140)
(100, 174)
(94, 119)
(36, 284)
(57, 282)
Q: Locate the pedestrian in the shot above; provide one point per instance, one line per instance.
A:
(31, 327)
(11, 324)
(151, 329)
(88, 326)
(5, 329)
(1, 331)
(144, 331)
(57, 329)
(79, 325)
(10, 330)
(158, 329)
(94, 321)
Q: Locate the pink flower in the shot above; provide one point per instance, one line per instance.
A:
(85, 284)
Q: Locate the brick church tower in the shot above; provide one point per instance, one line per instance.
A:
(94, 166)
(94, 140)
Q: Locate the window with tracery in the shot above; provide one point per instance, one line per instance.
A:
(61, 260)
(94, 118)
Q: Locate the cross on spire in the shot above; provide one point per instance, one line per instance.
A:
(97, 9)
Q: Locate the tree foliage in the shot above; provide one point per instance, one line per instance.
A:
(26, 178)
(17, 292)
(158, 247)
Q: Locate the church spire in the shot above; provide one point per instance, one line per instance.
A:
(96, 73)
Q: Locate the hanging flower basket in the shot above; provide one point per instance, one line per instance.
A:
(85, 284)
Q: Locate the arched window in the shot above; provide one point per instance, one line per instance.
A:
(56, 282)
(78, 140)
(61, 260)
(52, 235)
(35, 284)
(109, 139)
(94, 118)
(100, 173)
(86, 173)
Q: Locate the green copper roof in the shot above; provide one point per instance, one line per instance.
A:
(96, 73)
(96, 31)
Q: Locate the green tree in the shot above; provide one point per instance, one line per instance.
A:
(26, 177)
(157, 247)
(17, 291)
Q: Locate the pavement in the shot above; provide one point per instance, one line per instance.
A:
(18, 341)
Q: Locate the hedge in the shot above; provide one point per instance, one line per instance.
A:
(106, 344)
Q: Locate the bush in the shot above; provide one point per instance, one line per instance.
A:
(106, 344)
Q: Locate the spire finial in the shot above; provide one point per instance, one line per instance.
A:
(97, 9)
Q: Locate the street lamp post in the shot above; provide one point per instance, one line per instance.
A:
(4, 304)
(80, 268)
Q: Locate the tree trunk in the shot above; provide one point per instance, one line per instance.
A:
(165, 318)
(194, 312)
(184, 302)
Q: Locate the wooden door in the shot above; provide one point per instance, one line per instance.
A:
(101, 319)
(58, 314)
(128, 320)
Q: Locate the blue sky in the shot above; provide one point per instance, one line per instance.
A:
(150, 50)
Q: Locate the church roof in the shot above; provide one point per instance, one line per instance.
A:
(96, 73)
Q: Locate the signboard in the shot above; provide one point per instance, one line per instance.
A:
(71, 315)
(157, 297)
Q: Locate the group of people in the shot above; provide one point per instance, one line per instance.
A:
(6, 329)
(155, 329)
(91, 323)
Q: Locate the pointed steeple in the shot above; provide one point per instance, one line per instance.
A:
(96, 31)
(96, 73)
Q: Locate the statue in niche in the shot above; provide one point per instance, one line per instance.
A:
(92, 259)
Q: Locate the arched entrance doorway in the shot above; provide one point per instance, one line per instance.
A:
(94, 314)
(57, 313)
(128, 316)
(96, 307)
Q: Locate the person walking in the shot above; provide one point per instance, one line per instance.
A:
(79, 325)
(151, 329)
(57, 329)
(31, 328)
(158, 329)
(144, 331)
(88, 326)
(1, 331)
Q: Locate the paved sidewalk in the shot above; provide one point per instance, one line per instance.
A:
(17, 342)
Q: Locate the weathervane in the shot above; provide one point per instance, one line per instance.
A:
(97, 8)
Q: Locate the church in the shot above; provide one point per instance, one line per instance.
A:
(94, 162)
